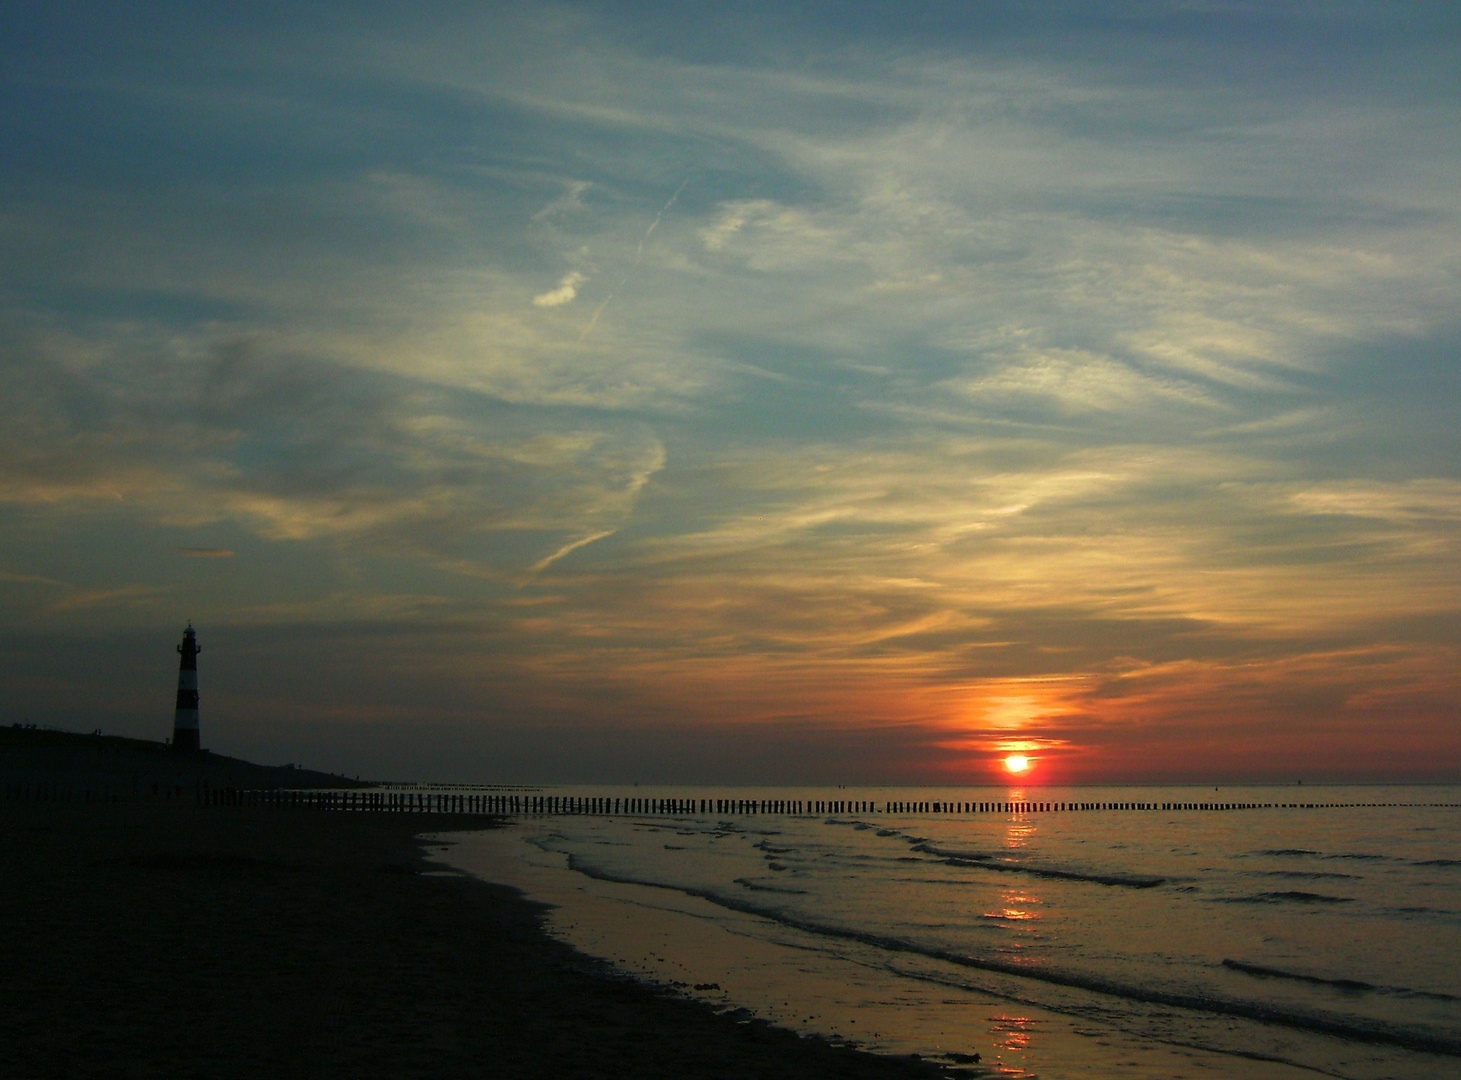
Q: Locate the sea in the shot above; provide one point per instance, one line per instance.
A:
(1315, 932)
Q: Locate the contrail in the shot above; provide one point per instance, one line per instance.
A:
(655, 223)
(638, 254)
(567, 549)
(594, 321)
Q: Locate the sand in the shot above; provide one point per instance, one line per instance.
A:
(168, 940)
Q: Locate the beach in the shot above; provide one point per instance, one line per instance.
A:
(1276, 940)
(169, 940)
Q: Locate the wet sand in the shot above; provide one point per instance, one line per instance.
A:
(166, 940)
(899, 1006)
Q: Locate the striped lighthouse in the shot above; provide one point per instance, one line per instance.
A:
(185, 720)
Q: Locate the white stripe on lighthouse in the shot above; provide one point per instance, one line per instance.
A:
(185, 716)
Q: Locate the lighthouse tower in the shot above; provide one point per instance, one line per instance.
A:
(185, 720)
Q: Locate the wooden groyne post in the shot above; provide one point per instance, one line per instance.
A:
(500, 804)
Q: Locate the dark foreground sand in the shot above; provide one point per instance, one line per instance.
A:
(171, 941)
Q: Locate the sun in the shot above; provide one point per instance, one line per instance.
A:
(1017, 763)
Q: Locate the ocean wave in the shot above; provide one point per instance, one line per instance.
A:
(1438, 862)
(1289, 896)
(1427, 995)
(1306, 853)
(1293, 852)
(747, 883)
(1420, 909)
(1307, 875)
(1278, 973)
(989, 862)
(1357, 1029)
(1356, 985)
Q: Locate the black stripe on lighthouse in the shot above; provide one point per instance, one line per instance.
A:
(185, 718)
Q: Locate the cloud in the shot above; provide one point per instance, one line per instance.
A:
(968, 374)
(565, 293)
(570, 202)
(769, 237)
(1418, 500)
(1075, 380)
(186, 432)
(206, 553)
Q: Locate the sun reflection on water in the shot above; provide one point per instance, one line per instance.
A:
(1014, 913)
(1013, 1032)
(1018, 906)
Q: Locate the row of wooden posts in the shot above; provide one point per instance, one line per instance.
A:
(441, 802)
(462, 803)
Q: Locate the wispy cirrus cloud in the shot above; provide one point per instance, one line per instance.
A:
(883, 390)
(183, 433)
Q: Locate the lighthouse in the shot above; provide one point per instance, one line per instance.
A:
(185, 720)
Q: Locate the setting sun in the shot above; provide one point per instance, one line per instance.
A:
(1017, 763)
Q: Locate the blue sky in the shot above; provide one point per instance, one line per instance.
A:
(737, 392)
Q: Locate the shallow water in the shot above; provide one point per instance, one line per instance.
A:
(1252, 943)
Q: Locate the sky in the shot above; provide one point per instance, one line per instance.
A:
(738, 392)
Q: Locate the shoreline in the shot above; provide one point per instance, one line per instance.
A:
(735, 957)
(173, 940)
